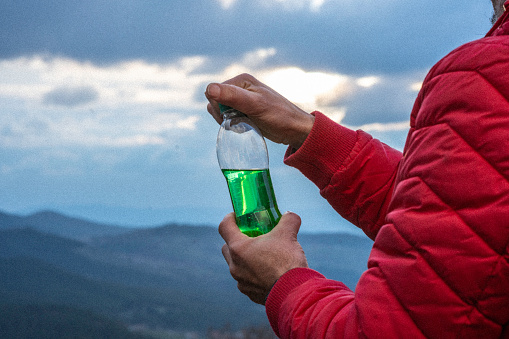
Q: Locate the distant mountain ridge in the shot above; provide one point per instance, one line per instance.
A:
(172, 276)
(59, 224)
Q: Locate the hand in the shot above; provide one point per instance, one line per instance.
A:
(257, 263)
(278, 119)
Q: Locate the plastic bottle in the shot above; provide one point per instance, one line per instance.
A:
(243, 159)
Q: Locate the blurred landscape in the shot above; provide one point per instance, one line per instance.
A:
(67, 277)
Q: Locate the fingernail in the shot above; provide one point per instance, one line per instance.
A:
(213, 91)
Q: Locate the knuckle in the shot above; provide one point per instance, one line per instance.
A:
(236, 249)
(246, 76)
(225, 250)
(241, 287)
(243, 80)
(235, 273)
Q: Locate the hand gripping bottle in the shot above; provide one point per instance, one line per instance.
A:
(244, 160)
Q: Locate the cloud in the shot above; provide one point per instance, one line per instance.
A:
(313, 5)
(226, 4)
(381, 98)
(338, 34)
(126, 104)
(368, 81)
(71, 96)
(348, 99)
(137, 103)
(378, 127)
(306, 88)
(258, 57)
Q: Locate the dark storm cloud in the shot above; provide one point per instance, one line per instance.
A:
(100, 30)
(71, 96)
(409, 35)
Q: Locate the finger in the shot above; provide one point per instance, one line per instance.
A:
(232, 95)
(214, 112)
(288, 225)
(212, 106)
(226, 254)
(243, 80)
(252, 291)
(229, 230)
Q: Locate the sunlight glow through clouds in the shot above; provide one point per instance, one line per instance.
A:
(226, 3)
(377, 127)
(416, 86)
(313, 5)
(300, 86)
(368, 81)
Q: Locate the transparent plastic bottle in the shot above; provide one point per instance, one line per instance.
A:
(243, 159)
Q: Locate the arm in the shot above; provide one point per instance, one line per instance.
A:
(353, 171)
(257, 263)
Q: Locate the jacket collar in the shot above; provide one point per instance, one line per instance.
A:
(501, 27)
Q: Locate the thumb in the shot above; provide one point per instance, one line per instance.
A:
(229, 230)
(231, 95)
(289, 225)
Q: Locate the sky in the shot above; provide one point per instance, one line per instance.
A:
(102, 112)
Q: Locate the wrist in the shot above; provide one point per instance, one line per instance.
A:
(302, 129)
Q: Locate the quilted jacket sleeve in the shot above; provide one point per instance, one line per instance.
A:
(353, 171)
(439, 267)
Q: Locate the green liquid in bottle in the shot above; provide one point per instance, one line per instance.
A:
(253, 200)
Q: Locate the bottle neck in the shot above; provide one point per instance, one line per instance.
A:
(232, 113)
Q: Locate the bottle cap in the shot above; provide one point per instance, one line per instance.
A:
(224, 108)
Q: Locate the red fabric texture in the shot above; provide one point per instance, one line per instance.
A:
(439, 213)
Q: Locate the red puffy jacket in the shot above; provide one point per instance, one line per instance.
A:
(439, 213)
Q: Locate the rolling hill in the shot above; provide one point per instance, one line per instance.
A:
(171, 277)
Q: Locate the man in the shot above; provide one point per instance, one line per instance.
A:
(438, 213)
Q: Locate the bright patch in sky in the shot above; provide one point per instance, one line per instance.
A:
(368, 81)
(226, 3)
(313, 5)
(416, 86)
(303, 87)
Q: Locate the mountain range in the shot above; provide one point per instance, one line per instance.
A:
(168, 277)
